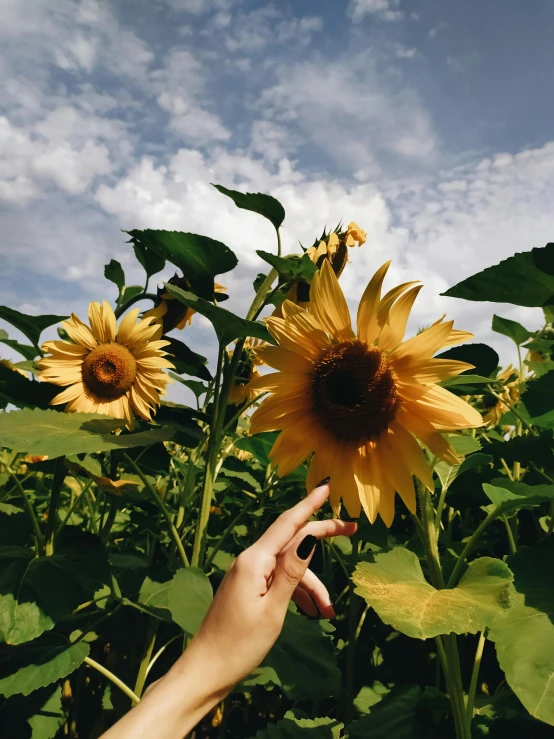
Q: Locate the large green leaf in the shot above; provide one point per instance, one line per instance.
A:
(36, 592)
(186, 361)
(538, 398)
(185, 598)
(30, 326)
(199, 258)
(227, 325)
(114, 272)
(524, 635)
(259, 445)
(302, 661)
(294, 267)
(266, 205)
(510, 495)
(395, 717)
(482, 356)
(527, 278)
(290, 727)
(525, 449)
(512, 329)
(29, 352)
(47, 432)
(28, 667)
(395, 587)
(24, 393)
(46, 722)
(151, 262)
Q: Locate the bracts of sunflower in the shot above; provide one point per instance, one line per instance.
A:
(332, 247)
(170, 313)
(356, 402)
(241, 391)
(113, 371)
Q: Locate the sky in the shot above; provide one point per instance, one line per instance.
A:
(427, 123)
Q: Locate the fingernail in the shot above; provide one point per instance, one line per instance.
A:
(323, 482)
(306, 546)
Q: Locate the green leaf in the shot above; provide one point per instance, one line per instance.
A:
(197, 387)
(525, 449)
(47, 432)
(29, 352)
(512, 329)
(527, 278)
(199, 258)
(130, 291)
(524, 636)
(30, 326)
(295, 267)
(265, 205)
(463, 443)
(302, 661)
(290, 727)
(46, 722)
(483, 357)
(186, 361)
(227, 325)
(25, 393)
(36, 592)
(510, 495)
(28, 667)
(114, 272)
(395, 587)
(538, 398)
(259, 445)
(151, 262)
(395, 717)
(185, 598)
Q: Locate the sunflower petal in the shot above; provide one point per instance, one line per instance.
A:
(328, 304)
(395, 327)
(79, 332)
(367, 326)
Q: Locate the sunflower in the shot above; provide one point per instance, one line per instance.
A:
(115, 372)
(359, 401)
(510, 392)
(246, 372)
(171, 313)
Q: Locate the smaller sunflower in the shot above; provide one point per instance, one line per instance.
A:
(171, 313)
(510, 393)
(113, 371)
(240, 391)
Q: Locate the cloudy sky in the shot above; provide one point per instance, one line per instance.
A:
(427, 122)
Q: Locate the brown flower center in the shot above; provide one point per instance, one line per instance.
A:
(355, 397)
(109, 370)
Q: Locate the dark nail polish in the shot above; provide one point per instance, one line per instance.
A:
(323, 482)
(306, 546)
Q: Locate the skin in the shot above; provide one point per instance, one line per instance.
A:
(244, 620)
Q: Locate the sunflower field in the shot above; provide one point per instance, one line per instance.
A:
(121, 511)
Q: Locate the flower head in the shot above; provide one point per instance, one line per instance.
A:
(246, 372)
(357, 401)
(496, 407)
(113, 371)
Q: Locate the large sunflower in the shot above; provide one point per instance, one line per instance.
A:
(115, 372)
(359, 401)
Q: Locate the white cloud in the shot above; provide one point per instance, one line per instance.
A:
(383, 9)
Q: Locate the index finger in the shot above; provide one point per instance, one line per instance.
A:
(289, 523)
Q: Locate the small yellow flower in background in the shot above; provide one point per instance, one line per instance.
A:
(113, 371)
(359, 401)
(240, 390)
(510, 392)
(171, 313)
(355, 234)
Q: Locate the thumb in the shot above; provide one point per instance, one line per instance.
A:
(290, 569)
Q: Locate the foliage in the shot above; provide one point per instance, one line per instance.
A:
(112, 542)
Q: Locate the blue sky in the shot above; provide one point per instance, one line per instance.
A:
(426, 122)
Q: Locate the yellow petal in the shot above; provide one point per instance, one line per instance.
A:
(109, 322)
(292, 447)
(70, 393)
(389, 299)
(425, 344)
(399, 474)
(328, 304)
(65, 349)
(291, 338)
(444, 409)
(127, 325)
(79, 332)
(283, 359)
(368, 328)
(430, 371)
(368, 488)
(395, 327)
(411, 454)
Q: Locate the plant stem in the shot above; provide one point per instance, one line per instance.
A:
(55, 493)
(512, 408)
(160, 651)
(469, 546)
(510, 533)
(76, 502)
(440, 507)
(159, 502)
(258, 302)
(353, 610)
(141, 296)
(474, 678)
(151, 632)
(115, 680)
(39, 541)
(278, 243)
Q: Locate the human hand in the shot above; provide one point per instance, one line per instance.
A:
(249, 608)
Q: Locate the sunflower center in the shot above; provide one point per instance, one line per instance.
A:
(355, 396)
(109, 370)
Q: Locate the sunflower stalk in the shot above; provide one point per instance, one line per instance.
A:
(39, 541)
(55, 496)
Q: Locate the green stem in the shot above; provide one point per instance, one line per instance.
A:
(159, 502)
(278, 243)
(115, 680)
(110, 519)
(160, 651)
(141, 296)
(151, 632)
(353, 618)
(455, 688)
(265, 287)
(92, 512)
(76, 503)
(440, 507)
(469, 546)
(474, 678)
(39, 545)
(512, 408)
(510, 533)
(55, 493)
